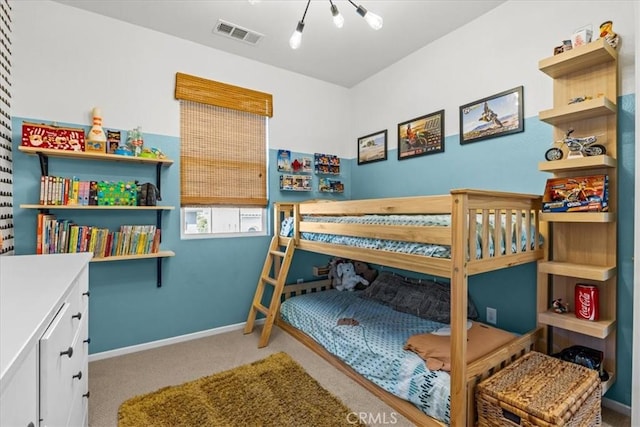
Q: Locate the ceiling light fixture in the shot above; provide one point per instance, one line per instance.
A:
(372, 19)
(296, 37)
(338, 19)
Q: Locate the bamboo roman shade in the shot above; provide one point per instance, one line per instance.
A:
(203, 91)
(223, 151)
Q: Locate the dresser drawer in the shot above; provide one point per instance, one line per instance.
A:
(77, 389)
(79, 414)
(78, 298)
(63, 364)
(18, 403)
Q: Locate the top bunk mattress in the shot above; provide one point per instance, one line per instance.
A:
(414, 248)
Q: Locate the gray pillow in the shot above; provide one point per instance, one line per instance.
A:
(384, 288)
(427, 299)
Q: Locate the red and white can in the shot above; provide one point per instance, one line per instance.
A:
(586, 297)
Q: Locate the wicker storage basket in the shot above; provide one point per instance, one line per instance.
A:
(539, 390)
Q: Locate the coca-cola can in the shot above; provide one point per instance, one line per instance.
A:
(587, 302)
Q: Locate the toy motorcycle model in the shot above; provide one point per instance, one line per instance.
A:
(577, 146)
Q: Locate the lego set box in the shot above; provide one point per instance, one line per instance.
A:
(576, 194)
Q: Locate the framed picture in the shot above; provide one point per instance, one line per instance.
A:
(496, 115)
(421, 136)
(372, 148)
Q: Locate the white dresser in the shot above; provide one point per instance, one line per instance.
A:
(44, 308)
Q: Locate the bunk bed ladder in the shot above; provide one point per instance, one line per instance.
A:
(277, 262)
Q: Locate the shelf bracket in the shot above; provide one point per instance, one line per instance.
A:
(159, 222)
(159, 272)
(158, 169)
(44, 164)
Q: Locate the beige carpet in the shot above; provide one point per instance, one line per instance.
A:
(275, 391)
(114, 380)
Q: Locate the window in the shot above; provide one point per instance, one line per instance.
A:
(222, 222)
(223, 157)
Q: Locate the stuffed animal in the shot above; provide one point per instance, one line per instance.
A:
(348, 277)
(559, 306)
(333, 277)
(363, 269)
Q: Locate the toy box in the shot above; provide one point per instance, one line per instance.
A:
(576, 194)
(120, 193)
(40, 135)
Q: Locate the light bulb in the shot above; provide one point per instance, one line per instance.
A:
(373, 20)
(296, 37)
(338, 19)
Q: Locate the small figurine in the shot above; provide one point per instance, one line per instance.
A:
(579, 99)
(606, 32)
(96, 133)
(559, 306)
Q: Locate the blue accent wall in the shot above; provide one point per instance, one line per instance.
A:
(210, 282)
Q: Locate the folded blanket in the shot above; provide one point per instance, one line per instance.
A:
(435, 349)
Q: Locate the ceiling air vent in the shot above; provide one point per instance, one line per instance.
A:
(236, 32)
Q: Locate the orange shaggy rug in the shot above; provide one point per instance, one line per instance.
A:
(274, 391)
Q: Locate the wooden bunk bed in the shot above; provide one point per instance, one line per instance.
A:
(472, 213)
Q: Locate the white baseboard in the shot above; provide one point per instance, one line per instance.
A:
(616, 406)
(168, 341)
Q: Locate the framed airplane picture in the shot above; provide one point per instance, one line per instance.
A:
(493, 116)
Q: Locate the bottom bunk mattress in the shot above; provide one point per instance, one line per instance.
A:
(369, 337)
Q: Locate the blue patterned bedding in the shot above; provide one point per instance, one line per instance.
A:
(430, 250)
(374, 347)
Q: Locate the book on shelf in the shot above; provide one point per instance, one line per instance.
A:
(93, 193)
(156, 242)
(39, 228)
(75, 191)
(47, 224)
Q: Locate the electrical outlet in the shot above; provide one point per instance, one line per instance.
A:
(300, 281)
(492, 315)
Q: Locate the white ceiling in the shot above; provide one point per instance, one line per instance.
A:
(343, 56)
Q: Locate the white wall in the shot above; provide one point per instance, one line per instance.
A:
(528, 32)
(132, 75)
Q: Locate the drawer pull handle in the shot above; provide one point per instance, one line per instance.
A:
(77, 316)
(86, 294)
(88, 341)
(69, 352)
(508, 415)
(78, 375)
(86, 394)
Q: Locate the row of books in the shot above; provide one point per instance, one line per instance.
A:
(64, 236)
(57, 190)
